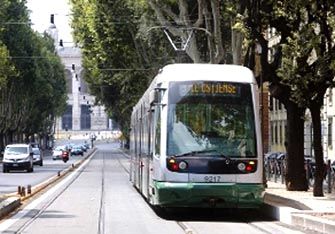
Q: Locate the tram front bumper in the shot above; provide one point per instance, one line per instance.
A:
(221, 195)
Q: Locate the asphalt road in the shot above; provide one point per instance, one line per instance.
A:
(9, 182)
(98, 198)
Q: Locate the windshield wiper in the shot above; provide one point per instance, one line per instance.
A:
(195, 152)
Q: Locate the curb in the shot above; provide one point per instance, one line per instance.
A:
(8, 205)
(310, 222)
(276, 200)
(297, 214)
(12, 201)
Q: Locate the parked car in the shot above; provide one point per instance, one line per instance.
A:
(18, 157)
(37, 157)
(57, 152)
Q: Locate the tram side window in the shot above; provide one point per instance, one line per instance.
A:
(151, 130)
(157, 130)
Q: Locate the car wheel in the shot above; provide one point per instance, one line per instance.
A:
(41, 163)
(4, 169)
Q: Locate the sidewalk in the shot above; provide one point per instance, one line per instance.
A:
(302, 208)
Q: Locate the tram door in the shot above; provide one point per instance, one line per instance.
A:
(151, 129)
(136, 161)
(140, 155)
(144, 168)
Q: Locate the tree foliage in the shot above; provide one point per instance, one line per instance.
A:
(119, 62)
(32, 79)
(301, 70)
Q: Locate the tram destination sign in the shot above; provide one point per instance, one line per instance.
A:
(215, 88)
(205, 89)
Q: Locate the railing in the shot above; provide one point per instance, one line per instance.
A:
(275, 171)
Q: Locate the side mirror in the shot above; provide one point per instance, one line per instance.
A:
(153, 97)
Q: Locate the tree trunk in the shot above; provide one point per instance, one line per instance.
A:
(295, 174)
(320, 169)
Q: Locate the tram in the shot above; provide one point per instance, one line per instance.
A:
(195, 138)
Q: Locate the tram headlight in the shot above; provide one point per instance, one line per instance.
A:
(247, 166)
(176, 165)
(250, 167)
(241, 166)
(182, 165)
(172, 164)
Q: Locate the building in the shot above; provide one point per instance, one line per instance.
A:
(327, 119)
(82, 117)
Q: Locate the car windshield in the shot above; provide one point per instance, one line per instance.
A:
(17, 150)
(36, 151)
(213, 116)
(59, 148)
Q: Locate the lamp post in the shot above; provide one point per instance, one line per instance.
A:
(258, 70)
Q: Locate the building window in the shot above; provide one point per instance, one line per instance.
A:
(330, 98)
(276, 134)
(330, 131)
(280, 134)
(85, 117)
(272, 134)
(68, 81)
(67, 118)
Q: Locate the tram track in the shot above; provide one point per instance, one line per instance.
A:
(187, 226)
(101, 225)
(182, 225)
(59, 190)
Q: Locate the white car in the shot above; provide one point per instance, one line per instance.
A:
(18, 157)
(57, 152)
(37, 157)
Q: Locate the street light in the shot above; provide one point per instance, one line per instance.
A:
(258, 71)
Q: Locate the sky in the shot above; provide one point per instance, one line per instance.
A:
(40, 16)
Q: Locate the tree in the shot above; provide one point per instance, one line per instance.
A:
(300, 72)
(204, 21)
(119, 63)
(33, 88)
(312, 69)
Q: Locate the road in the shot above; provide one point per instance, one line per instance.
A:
(98, 198)
(9, 182)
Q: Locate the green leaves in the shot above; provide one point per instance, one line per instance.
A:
(32, 79)
(119, 62)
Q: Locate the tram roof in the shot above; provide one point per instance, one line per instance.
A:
(221, 72)
(193, 71)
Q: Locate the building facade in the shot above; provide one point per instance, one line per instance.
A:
(82, 117)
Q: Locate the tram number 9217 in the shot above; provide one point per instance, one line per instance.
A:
(212, 179)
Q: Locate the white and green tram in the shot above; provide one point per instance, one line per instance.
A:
(195, 138)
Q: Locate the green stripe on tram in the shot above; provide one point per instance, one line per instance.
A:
(221, 195)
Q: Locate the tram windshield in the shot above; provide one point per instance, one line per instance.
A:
(216, 118)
